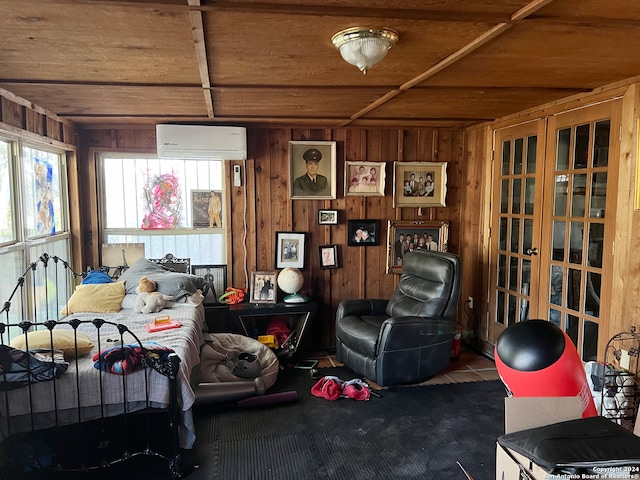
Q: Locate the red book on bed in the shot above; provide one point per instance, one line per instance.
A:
(157, 327)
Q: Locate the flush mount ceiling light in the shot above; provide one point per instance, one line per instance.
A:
(363, 47)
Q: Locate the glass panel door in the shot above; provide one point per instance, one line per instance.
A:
(576, 249)
(515, 226)
(552, 230)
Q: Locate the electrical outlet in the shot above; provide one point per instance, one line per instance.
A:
(470, 302)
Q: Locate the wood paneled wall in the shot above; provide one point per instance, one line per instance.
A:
(269, 209)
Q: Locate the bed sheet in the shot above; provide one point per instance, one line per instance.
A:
(185, 341)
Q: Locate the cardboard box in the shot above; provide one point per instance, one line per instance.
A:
(522, 413)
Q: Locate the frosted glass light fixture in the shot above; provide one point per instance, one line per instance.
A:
(363, 47)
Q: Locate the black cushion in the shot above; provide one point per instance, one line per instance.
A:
(583, 443)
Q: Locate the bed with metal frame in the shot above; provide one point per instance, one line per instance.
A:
(128, 380)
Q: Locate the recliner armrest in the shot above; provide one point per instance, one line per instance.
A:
(361, 307)
(410, 331)
(410, 319)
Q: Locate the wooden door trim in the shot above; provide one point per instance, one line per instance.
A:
(610, 109)
(523, 130)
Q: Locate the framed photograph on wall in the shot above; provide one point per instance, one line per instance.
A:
(406, 235)
(263, 287)
(364, 178)
(363, 233)
(328, 256)
(419, 184)
(206, 209)
(327, 217)
(312, 170)
(290, 249)
(214, 278)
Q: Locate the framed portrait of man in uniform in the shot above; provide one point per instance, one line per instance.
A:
(312, 170)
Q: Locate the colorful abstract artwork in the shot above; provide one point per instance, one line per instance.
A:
(163, 202)
(45, 223)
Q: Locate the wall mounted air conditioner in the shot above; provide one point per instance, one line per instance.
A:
(201, 141)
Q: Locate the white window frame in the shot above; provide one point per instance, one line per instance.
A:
(159, 248)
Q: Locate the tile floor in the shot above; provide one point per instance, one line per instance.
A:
(469, 367)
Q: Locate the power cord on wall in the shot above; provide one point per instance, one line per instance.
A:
(244, 223)
(468, 312)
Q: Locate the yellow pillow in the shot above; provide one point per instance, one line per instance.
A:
(96, 297)
(62, 340)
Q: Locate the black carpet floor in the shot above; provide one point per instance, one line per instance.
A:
(410, 433)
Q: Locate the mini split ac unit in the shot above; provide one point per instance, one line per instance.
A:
(201, 141)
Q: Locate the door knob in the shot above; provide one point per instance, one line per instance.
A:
(532, 251)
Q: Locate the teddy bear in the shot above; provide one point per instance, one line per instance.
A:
(149, 300)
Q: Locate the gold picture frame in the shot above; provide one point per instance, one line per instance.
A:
(364, 178)
(410, 191)
(302, 154)
(400, 229)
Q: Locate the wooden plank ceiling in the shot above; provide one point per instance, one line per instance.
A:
(253, 62)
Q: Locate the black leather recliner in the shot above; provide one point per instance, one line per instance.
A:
(407, 338)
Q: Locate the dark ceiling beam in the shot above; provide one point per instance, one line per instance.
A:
(27, 81)
(594, 22)
(341, 11)
(334, 11)
(325, 11)
(276, 88)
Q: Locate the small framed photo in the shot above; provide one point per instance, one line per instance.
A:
(215, 281)
(290, 249)
(312, 170)
(328, 256)
(327, 217)
(406, 235)
(206, 209)
(263, 287)
(363, 233)
(364, 178)
(419, 184)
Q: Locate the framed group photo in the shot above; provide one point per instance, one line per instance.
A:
(364, 178)
(290, 249)
(328, 256)
(215, 281)
(312, 170)
(419, 184)
(363, 233)
(407, 235)
(263, 287)
(206, 209)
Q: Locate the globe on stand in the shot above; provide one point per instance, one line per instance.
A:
(290, 280)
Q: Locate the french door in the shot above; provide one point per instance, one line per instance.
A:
(516, 225)
(552, 224)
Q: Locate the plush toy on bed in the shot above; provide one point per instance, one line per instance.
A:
(150, 301)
